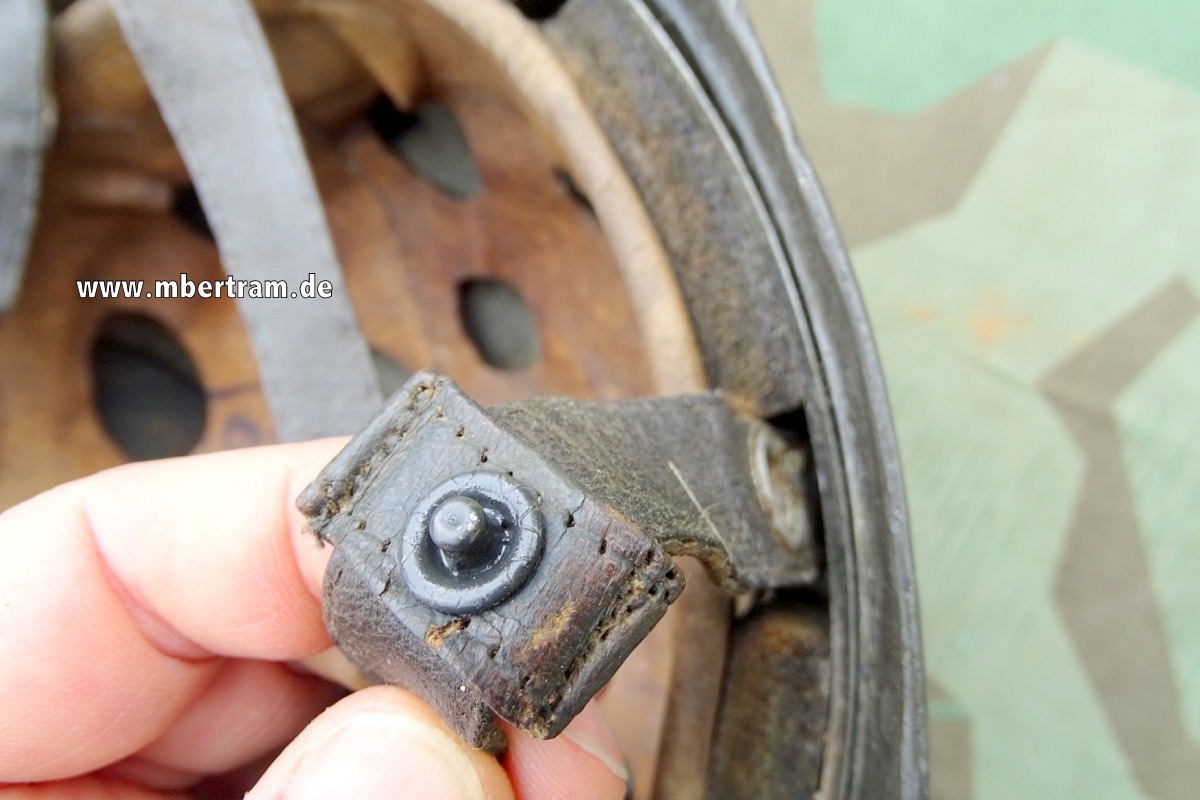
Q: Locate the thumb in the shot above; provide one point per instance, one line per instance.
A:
(382, 742)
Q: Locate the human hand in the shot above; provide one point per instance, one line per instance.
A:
(155, 620)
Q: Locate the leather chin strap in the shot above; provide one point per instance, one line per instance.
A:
(26, 126)
(229, 115)
(581, 507)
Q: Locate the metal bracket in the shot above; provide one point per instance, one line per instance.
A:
(504, 563)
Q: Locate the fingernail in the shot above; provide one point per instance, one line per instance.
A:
(384, 756)
(590, 732)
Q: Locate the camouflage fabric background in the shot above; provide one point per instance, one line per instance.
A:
(1019, 184)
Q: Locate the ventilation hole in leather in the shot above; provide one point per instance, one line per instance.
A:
(185, 205)
(431, 143)
(499, 323)
(539, 10)
(146, 389)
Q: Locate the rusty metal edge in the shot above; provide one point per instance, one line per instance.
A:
(878, 663)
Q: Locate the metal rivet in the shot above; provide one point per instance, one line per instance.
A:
(458, 527)
(778, 469)
(472, 542)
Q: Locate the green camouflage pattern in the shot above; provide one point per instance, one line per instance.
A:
(1019, 184)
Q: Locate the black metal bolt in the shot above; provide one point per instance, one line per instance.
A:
(461, 528)
(472, 542)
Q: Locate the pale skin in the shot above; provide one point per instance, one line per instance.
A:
(161, 625)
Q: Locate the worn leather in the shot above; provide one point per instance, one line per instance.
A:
(535, 658)
(606, 483)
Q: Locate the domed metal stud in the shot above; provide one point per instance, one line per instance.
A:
(472, 542)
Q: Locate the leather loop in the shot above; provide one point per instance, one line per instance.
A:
(228, 112)
(26, 126)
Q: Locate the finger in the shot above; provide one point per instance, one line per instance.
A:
(253, 708)
(90, 788)
(582, 763)
(119, 591)
(333, 665)
(379, 744)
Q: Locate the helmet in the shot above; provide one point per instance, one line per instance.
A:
(253, 221)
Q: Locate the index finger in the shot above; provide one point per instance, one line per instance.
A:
(120, 592)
